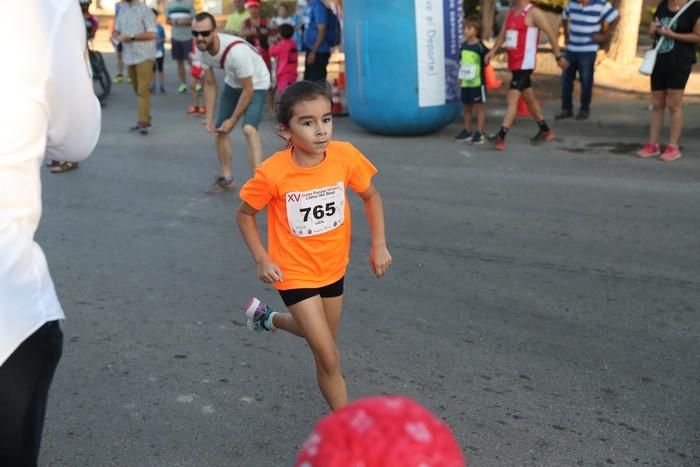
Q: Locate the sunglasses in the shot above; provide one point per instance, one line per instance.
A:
(202, 33)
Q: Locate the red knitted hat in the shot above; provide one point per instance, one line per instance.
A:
(380, 432)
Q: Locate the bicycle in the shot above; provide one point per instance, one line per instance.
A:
(101, 81)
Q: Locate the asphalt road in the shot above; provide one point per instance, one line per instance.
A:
(543, 301)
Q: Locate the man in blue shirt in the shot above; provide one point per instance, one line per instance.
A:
(318, 50)
(586, 25)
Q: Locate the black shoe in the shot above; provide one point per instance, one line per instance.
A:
(542, 136)
(463, 136)
(141, 128)
(582, 115)
(564, 114)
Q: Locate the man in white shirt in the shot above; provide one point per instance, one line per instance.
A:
(246, 84)
(135, 28)
(55, 114)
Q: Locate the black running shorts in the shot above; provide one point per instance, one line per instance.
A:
(293, 296)
(521, 80)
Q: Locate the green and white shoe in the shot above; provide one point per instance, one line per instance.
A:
(259, 316)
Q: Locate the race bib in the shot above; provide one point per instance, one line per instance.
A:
(316, 211)
(467, 71)
(511, 39)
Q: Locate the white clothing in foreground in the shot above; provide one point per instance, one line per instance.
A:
(54, 113)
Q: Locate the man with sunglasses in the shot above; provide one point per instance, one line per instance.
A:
(246, 84)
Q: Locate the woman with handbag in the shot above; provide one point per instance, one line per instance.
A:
(676, 31)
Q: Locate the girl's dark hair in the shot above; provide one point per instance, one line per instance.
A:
(286, 30)
(297, 92)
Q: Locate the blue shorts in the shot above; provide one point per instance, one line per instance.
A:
(180, 49)
(229, 99)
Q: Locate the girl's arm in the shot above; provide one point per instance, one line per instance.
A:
(268, 271)
(379, 258)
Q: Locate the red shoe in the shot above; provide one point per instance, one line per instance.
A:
(192, 110)
(500, 143)
(202, 110)
(671, 153)
(498, 140)
(542, 137)
(649, 150)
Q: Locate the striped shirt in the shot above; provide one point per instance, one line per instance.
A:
(586, 20)
(136, 18)
(178, 10)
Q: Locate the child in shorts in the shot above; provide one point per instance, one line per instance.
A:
(308, 218)
(158, 74)
(197, 73)
(472, 81)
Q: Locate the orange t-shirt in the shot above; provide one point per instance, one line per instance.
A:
(308, 215)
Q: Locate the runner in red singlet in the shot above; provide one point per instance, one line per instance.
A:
(520, 37)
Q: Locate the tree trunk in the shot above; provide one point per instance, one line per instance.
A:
(623, 46)
(488, 17)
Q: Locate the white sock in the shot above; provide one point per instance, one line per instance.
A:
(269, 323)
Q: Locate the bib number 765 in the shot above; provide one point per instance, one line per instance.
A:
(318, 211)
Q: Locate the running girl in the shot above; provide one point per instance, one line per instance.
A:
(308, 213)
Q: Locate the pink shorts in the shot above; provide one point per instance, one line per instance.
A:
(283, 82)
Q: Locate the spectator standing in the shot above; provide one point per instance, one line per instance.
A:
(587, 24)
(56, 115)
(520, 37)
(234, 22)
(159, 75)
(91, 21)
(257, 31)
(318, 50)
(472, 81)
(197, 72)
(246, 83)
(119, 77)
(282, 17)
(286, 54)
(136, 30)
(180, 13)
(91, 26)
(301, 19)
(674, 62)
